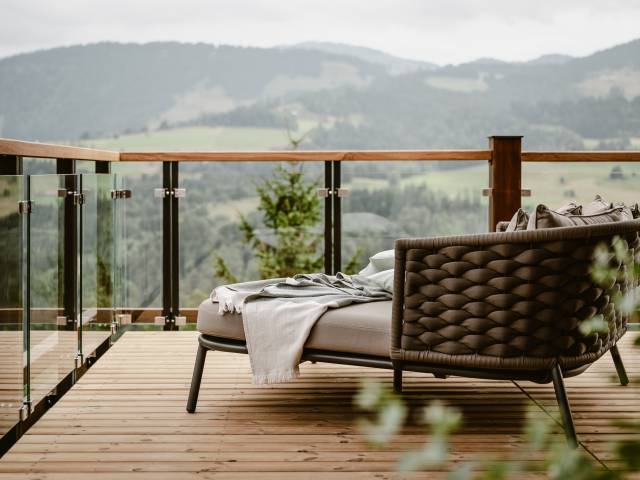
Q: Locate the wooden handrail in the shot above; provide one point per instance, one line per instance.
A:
(582, 156)
(46, 150)
(306, 155)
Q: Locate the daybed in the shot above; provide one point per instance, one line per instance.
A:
(494, 306)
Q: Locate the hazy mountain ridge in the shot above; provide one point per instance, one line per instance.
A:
(394, 65)
(588, 102)
(108, 88)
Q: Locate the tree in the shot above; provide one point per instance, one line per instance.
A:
(290, 210)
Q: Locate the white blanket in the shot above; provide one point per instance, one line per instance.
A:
(278, 314)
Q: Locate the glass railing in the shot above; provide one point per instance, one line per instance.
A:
(53, 337)
(96, 265)
(11, 303)
(138, 231)
(58, 288)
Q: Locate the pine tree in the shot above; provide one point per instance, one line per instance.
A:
(290, 210)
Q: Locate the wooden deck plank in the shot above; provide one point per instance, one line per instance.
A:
(125, 419)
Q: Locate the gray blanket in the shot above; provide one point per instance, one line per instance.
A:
(278, 314)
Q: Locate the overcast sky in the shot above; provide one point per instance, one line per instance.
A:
(441, 31)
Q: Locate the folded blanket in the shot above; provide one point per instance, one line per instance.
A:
(278, 314)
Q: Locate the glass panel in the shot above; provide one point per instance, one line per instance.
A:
(218, 197)
(85, 167)
(96, 262)
(11, 339)
(139, 229)
(38, 166)
(54, 341)
(555, 184)
(390, 200)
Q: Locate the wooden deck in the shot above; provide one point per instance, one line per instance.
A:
(126, 419)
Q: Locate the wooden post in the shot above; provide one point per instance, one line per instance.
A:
(505, 178)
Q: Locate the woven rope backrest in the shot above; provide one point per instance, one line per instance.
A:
(508, 300)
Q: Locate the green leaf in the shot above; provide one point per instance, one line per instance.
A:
(597, 324)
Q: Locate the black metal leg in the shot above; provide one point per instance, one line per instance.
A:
(563, 403)
(397, 379)
(197, 378)
(617, 361)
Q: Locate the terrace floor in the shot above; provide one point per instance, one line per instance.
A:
(126, 419)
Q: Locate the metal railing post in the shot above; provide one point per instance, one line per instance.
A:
(68, 247)
(328, 218)
(170, 245)
(505, 178)
(337, 218)
(10, 165)
(332, 217)
(175, 243)
(166, 243)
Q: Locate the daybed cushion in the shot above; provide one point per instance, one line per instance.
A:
(363, 328)
(543, 217)
(598, 205)
(520, 220)
(380, 262)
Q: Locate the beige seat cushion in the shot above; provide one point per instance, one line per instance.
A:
(360, 328)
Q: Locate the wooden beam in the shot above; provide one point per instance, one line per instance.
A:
(45, 150)
(306, 155)
(587, 156)
(505, 178)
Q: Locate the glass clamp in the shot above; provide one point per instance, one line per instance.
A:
(25, 207)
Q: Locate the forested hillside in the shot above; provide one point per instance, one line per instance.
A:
(109, 88)
(341, 96)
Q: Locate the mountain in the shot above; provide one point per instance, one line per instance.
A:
(394, 65)
(344, 98)
(107, 88)
(594, 101)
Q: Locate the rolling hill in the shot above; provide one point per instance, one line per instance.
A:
(340, 96)
(108, 88)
